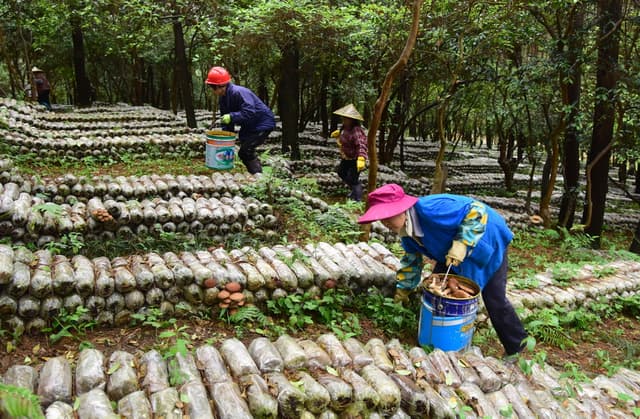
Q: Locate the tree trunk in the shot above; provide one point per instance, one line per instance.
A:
(381, 102)
(440, 172)
(507, 162)
(83, 85)
(324, 114)
(570, 87)
(609, 12)
(139, 80)
(637, 171)
(263, 90)
(288, 98)
(635, 243)
(183, 74)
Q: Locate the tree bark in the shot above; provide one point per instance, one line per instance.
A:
(288, 98)
(183, 73)
(381, 102)
(324, 98)
(635, 243)
(570, 85)
(83, 85)
(609, 12)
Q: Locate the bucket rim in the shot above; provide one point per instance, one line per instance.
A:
(460, 278)
(221, 133)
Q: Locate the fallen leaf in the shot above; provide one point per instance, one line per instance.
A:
(113, 368)
(332, 371)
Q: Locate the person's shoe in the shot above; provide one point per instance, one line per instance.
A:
(511, 359)
(254, 166)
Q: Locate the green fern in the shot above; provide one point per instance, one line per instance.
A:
(19, 403)
(248, 314)
(545, 326)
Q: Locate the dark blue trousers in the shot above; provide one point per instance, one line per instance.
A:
(247, 153)
(348, 172)
(503, 316)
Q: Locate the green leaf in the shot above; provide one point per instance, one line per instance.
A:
(113, 368)
(448, 379)
(332, 371)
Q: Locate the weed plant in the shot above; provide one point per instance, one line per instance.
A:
(19, 402)
(70, 325)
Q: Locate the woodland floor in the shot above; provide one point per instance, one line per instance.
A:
(616, 338)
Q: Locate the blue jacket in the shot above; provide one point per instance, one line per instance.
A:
(247, 110)
(440, 217)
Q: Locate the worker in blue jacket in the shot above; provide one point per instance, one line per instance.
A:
(459, 233)
(240, 106)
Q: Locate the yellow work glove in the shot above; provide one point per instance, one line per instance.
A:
(360, 163)
(457, 253)
(402, 296)
(226, 119)
(335, 134)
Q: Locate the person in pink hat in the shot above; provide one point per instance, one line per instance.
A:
(457, 232)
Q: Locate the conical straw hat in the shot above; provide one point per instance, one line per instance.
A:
(349, 111)
(36, 70)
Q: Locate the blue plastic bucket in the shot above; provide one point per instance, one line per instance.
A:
(220, 150)
(448, 323)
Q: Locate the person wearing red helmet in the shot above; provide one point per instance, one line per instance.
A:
(240, 106)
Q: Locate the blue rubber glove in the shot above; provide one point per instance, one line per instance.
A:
(226, 119)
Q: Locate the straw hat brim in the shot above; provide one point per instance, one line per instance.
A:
(349, 111)
(36, 70)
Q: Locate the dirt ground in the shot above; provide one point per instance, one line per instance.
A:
(619, 340)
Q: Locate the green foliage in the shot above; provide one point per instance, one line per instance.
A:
(604, 271)
(605, 361)
(629, 305)
(391, 317)
(301, 310)
(50, 208)
(71, 325)
(337, 223)
(564, 272)
(68, 244)
(292, 307)
(19, 403)
(155, 318)
(545, 326)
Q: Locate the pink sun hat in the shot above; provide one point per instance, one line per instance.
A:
(385, 202)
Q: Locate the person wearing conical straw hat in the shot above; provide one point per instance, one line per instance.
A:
(42, 86)
(352, 142)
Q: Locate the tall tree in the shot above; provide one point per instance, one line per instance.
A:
(183, 75)
(381, 103)
(609, 16)
(288, 97)
(570, 85)
(83, 95)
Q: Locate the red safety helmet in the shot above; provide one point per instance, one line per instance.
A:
(218, 76)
